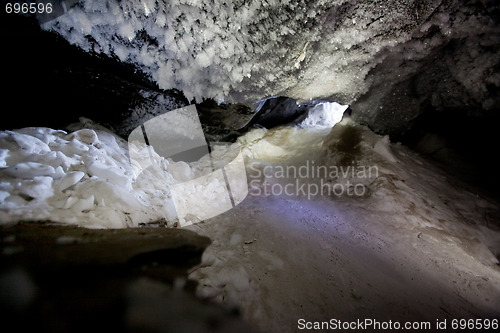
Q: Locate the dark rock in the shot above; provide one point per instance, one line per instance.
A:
(50, 83)
(279, 111)
(223, 122)
(449, 65)
(64, 278)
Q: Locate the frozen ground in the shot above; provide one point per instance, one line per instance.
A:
(338, 224)
(416, 246)
(92, 178)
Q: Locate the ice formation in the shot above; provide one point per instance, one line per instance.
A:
(377, 56)
(83, 177)
(324, 115)
(391, 237)
(86, 178)
(243, 50)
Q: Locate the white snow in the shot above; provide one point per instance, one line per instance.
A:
(324, 115)
(84, 177)
(93, 178)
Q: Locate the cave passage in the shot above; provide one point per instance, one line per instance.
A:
(259, 166)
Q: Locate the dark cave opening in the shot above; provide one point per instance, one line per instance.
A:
(460, 143)
(53, 83)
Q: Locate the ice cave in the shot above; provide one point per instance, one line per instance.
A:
(251, 166)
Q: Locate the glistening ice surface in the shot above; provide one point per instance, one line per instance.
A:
(249, 50)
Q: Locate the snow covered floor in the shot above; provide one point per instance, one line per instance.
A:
(416, 247)
(338, 223)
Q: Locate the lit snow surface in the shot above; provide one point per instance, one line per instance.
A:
(416, 245)
(87, 178)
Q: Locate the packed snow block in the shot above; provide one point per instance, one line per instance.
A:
(28, 170)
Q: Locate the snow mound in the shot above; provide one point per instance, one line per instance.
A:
(82, 178)
(334, 214)
(86, 178)
(93, 178)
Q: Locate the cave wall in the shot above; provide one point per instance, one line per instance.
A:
(243, 51)
(449, 66)
(390, 60)
(396, 63)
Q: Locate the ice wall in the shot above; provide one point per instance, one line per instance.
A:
(245, 50)
(386, 58)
